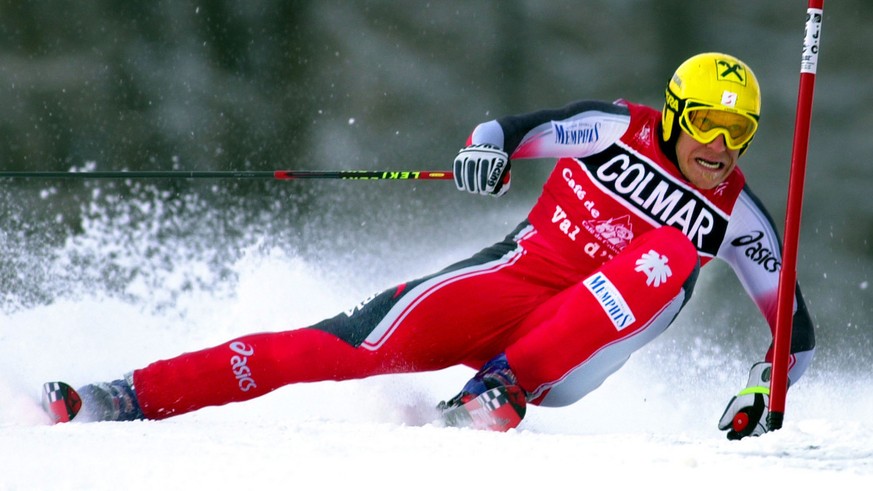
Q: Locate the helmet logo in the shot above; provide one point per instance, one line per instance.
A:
(729, 98)
(731, 72)
(671, 100)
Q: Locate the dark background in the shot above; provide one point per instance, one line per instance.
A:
(329, 84)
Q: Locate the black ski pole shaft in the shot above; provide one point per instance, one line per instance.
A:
(421, 175)
(282, 175)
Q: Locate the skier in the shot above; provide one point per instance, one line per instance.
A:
(638, 201)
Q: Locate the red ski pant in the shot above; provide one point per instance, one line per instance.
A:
(564, 328)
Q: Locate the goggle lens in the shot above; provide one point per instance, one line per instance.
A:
(705, 124)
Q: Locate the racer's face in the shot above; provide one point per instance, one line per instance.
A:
(706, 165)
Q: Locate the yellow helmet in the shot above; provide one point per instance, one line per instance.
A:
(712, 94)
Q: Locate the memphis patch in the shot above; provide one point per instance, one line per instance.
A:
(610, 300)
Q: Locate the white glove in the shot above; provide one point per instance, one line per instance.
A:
(746, 413)
(482, 169)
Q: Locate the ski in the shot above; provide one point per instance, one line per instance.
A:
(498, 409)
(60, 401)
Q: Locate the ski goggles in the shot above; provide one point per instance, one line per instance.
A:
(704, 123)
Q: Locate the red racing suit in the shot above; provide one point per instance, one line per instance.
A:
(604, 262)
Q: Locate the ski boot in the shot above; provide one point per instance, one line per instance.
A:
(491, 400)
(112, 401)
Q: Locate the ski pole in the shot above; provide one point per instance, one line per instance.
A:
(282, 175)
(788, 274)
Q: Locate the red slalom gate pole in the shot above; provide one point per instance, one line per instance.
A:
(788, 273)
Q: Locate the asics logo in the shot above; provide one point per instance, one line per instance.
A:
(239, 365)
(758, 252)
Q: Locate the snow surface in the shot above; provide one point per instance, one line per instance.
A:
(652, 424)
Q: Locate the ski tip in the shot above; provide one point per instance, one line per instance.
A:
(60, 401)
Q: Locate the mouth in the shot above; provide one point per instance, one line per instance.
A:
(710, 164)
